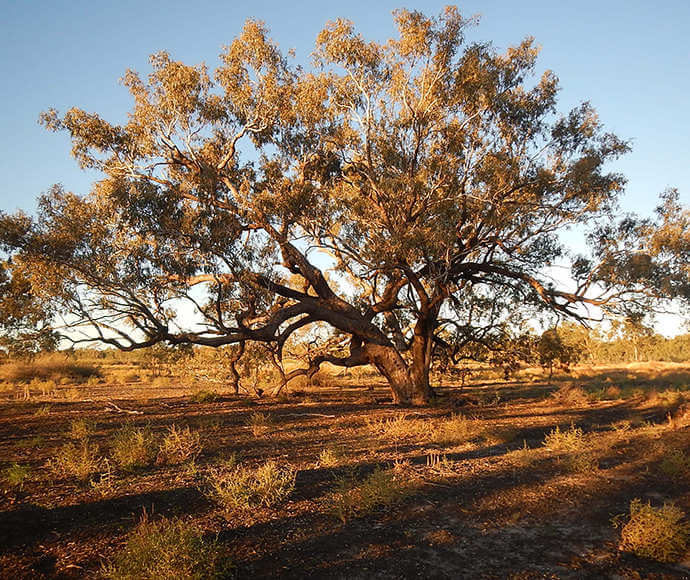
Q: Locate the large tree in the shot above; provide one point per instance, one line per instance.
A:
(391, 193)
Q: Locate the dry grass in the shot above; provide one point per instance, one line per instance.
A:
(178, 445)
(133, 447)
(354, 497)
(171, 549)
(659, 534)
(48, 368)
(260, 423)
(449, 431)
(80, 460)
(242, 488)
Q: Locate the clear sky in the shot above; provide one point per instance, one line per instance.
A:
(631, 59)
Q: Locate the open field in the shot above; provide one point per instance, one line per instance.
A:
(502, 479)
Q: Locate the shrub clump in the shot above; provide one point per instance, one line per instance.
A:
(167, 549)
(354, 497)
(455, 430)
(659, 534)
(80, 460)
(16, 475)
(81, 429)
(179, 445)
(579, 455)
(260, 423)
(133, 447)
(240, 488)
(204, 396)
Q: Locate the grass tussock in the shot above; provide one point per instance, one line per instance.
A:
(133, 447)
(574, 449)
(675, 464)
(354, 497)
(168, 549)
(179, 444)
(660, 534)
(260, 423)
(81, 429)
(81, 460)
(448, 431)
(16, 475)
(331, 456)
(237, 487)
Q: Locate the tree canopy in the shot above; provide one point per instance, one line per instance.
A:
(405, 195)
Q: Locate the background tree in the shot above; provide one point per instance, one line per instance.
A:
(393, 191)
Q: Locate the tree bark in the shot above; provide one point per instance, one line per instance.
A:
(421, 362)
(392, 366)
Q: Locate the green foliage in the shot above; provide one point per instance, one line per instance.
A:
(437, 172)
(133, 447)
(16, 475)
(237, 487)
(179, 445)
(659, 534)
(552, 349)
(171, 549)
(353, 497)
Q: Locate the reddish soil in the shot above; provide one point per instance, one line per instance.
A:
(486, 514)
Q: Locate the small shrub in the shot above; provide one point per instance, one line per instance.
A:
(659, 534)
(205, 396)
(353, 497)
(133, 447)
(573, 439)
(179, 445)
(330, 456)
(570, 395)
(260, 423)
(242, 488)
(16, 475)
(675, 463)
(522, 457)
(80, 460)
(582, 462)
(455, 430)
(81, 429)
(167, 549)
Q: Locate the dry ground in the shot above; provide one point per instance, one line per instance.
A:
(486, 498)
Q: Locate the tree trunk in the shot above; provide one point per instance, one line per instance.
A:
(421, 362)
(392, 366)
(234, 374)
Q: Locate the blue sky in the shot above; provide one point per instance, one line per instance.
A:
(631, 59)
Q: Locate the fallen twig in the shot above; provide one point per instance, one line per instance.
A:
(121, 410)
